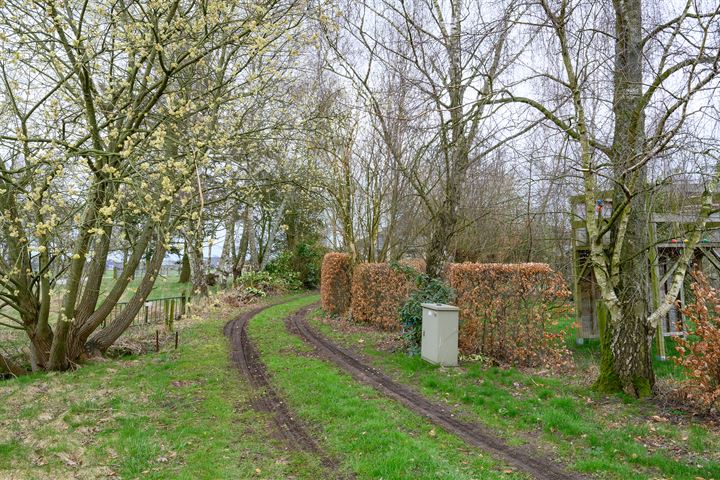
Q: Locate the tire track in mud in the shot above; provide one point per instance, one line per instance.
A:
(246, 358)
(524, 459)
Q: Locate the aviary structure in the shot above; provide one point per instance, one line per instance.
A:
(667, 241)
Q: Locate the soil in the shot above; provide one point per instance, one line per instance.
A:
(246, 358)
(523, 458)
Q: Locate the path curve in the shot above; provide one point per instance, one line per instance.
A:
(524, 459)
(246, 358)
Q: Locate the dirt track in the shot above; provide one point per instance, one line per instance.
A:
(522, 458)
(245, 357)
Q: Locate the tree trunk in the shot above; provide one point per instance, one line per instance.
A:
(626, 344)
(58, 352)
(226, 257)
(273, 233)
(440, 238)
(199, 280)
(103, 339)
(185, 267)
(458, 137)
(244, 242)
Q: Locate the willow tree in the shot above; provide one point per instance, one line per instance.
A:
(94, 93)
(626, 100)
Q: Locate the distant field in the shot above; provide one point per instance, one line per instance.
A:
(13, 340)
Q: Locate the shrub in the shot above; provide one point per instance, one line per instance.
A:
(378, 292)
(335, 282)
(699, 353)
(282, 272)
(307, 259)
(428, 290)
(506, 310)
(270, 282)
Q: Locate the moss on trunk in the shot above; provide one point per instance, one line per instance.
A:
(608, 381)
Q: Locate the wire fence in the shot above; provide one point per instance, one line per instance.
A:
(164, 271)
(156, 311)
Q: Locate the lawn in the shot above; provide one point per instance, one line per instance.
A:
(187, 413)
(612, 437)
(372, 436)
(174, 414)
(166, 286)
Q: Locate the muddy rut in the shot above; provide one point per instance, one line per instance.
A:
(524, 459)
(246, 358)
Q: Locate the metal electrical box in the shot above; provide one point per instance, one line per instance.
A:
(440, 334)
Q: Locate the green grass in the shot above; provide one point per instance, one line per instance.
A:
(613, 437)
(186, 414)
(165, 286)
(588, 352)
(13, 340)
(371, 435)
(181, 414)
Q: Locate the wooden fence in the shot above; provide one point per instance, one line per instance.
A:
(155, 311)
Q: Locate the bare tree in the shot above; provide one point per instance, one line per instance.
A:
(657, 75)
(442, 62)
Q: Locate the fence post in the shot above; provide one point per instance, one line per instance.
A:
(171, 316)
(147, 311)
(183, 302)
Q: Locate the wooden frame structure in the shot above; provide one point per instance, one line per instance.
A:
(667, 231)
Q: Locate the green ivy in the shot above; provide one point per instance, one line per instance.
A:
(428, 290)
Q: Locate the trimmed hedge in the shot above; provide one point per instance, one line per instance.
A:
(336, 282)
(378, 292)
(506, 309)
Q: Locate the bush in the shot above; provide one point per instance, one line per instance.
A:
(378, 292)
(507, 309)
(428, 290)
(270, 282)
(307, 259)
(335, 282)
(699, 353)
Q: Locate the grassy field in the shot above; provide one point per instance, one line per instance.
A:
(13, 340)
(165, 286)
(613, 437)
(186, 413)
(372, 436)
(174, 415)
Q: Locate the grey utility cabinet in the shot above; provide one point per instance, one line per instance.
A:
(440, 334)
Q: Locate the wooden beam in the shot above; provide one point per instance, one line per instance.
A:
(681, 218)
(712, 256)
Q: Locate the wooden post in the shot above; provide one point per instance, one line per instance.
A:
(655, 289)
(171, 316)
(147, 313)
(176, 340)
(157, 340)
(579, 337)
